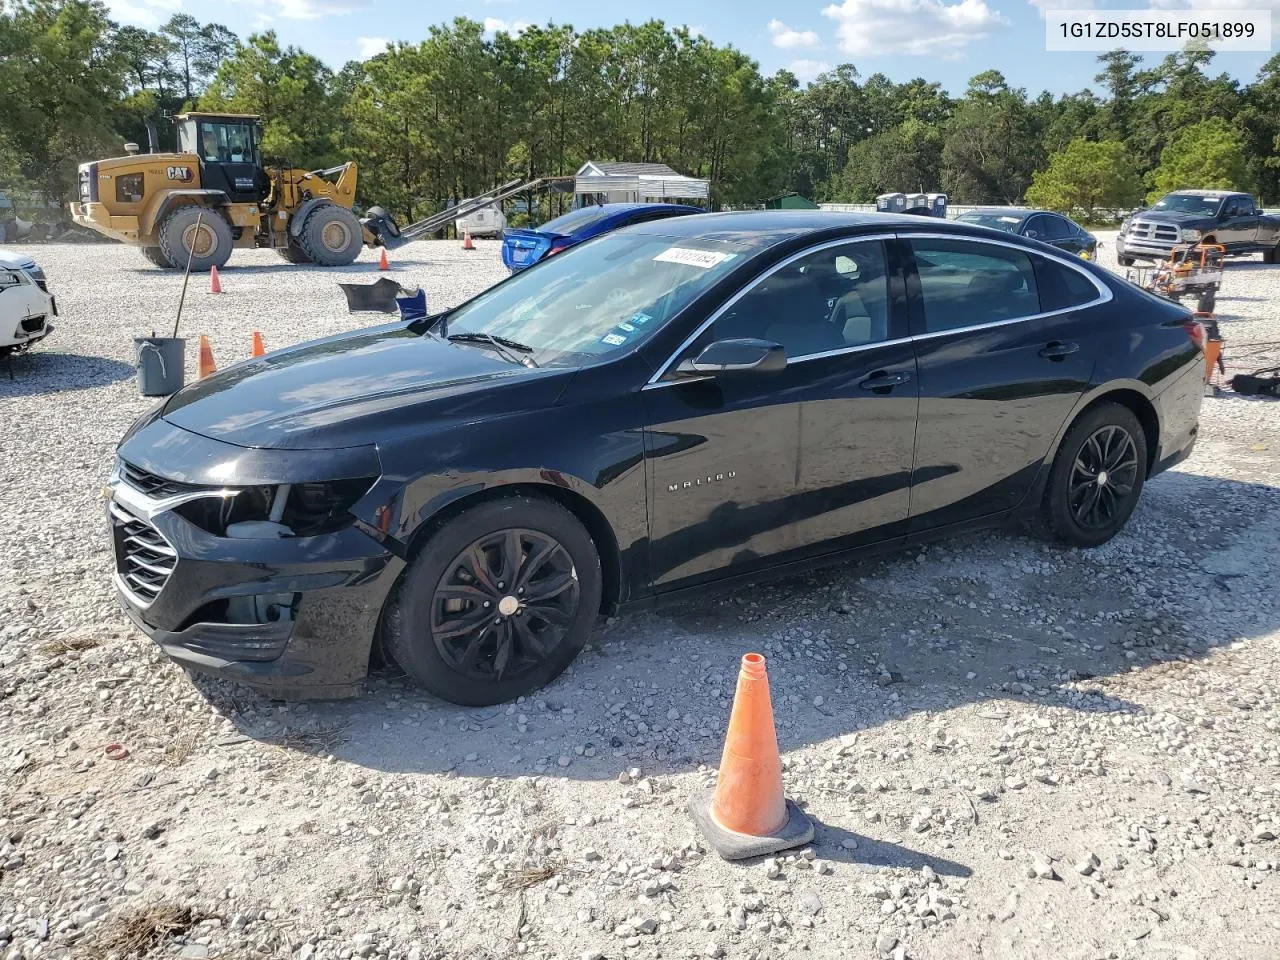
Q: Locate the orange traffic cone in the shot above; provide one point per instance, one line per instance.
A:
(207, 365)
(215, 285)
(382, 260)
(747, 814)
(466, 240)
(258, 348)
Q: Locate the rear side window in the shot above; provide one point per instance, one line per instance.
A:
(1061, 287)
(964, 284)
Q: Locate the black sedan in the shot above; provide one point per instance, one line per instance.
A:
(1043, 225)
(667, 408)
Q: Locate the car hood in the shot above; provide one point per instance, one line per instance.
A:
(16, 263)
(1171, 216)
(352, 389)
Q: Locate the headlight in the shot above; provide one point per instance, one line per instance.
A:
(270, 512)
(1190, 236)
(36, 273)
(11, 278)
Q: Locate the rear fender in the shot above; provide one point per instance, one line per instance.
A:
(169, 201)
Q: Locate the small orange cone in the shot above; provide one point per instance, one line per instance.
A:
(207, 365)
(466, 240)
(215, 285)
(258, 348)
(382, 260)
(747, 814)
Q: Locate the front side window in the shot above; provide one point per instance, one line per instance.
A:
(598, 299)
(833, 298)
(964, 284)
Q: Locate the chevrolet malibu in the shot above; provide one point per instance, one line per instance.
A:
(672, 407)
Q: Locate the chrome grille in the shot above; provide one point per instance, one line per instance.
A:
(1146, 230)
(144, 559)
(151, 484)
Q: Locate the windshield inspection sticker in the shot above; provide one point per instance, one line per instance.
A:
(629, 327)
(640, 319)
(613, 339)
(1010, 220)
(704, 259)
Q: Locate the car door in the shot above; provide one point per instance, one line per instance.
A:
(1240, 223)
(1004, 351)
(730, 492)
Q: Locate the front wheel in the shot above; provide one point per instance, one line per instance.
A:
(196, 235)
(1097, 476)
(498, 603)
(1125, 261)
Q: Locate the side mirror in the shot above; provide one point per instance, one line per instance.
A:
(735, 357)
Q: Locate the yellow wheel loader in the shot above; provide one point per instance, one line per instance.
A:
(214, 195)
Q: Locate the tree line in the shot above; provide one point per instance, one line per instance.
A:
(461, 110)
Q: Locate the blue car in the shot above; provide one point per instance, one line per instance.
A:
(524, 248)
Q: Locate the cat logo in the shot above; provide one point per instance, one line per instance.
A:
(181, 174)
(701, 481)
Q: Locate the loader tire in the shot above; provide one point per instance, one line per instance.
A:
(293, 254)
(331, 236)
(156, 256)
(212, 242)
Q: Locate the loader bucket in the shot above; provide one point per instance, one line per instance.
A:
(377, 297)
(382, 228)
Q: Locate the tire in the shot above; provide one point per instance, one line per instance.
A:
(1109, 428)
(179, 226)
(439, 590)
(1125, 261)
(293, 254)
(1271, 256)
(1207, 301)
(331, 236)
(156, 256)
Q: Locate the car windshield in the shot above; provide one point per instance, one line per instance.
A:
(597, 299)
(1000, 221)
(575, 220)
(1188, 203)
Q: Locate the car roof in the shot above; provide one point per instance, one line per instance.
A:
(627, 207)
(1207, 193)
(1008, 211)
(763, 228)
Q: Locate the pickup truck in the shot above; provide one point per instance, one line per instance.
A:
(1185, 216)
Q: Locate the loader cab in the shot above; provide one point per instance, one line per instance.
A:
(228, 146)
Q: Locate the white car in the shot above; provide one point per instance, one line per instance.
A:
(26, 306)
(485, 222)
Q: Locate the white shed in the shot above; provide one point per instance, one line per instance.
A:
(600, 181)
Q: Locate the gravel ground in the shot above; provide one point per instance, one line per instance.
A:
(1009, 750)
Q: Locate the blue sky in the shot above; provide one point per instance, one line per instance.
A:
(943, 40)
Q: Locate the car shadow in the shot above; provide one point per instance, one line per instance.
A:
(398, 265)
(37, 372)
(988, 618)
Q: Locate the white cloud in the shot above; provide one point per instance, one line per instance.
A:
(789, 38)
(270, 10)
(514, 27)
(1043, 5)
(695, 31)
(143, 13)
(371, 46)
(916, 27)
(806, 70)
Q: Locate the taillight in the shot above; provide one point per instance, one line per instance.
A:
(554, 250)
(1197, 332)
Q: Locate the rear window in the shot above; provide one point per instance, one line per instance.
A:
(1007, 222)
(575, 220)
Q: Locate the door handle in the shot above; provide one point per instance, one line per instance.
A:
(882, 382)
(1059, 350)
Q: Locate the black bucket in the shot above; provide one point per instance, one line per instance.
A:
(161, 365)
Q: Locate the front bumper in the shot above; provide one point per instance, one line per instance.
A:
(95, 216)
(197, 596)
(1143, 249)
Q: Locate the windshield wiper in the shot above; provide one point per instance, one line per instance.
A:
(501, 344)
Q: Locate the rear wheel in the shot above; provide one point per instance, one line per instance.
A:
(1271, 256)
(1207, 301)
(156, 256)
(331, 236)
(196, 232)
(1097, 476)
(499, 602)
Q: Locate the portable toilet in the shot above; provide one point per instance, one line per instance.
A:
(938, 205)
(918, 203)
(891, 203)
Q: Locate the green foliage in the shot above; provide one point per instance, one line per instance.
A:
(1209, 154)
(1084, 177)
(461, 110)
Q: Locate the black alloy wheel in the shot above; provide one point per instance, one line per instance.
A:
(1103, 477)
(499, 601)
(1097, 476)
(504, 605)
